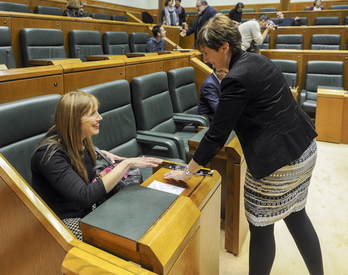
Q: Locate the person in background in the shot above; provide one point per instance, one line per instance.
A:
(251, 32)
(81, 10)
(205, 12)
(170, 14)
(62, 164)
(236, 13)
(289, 21)
(210, 94)
(156, 43)
(316, 6)
(181, 12)
(278, 142)
(73, 9)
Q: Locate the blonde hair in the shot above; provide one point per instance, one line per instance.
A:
(67, 119)
(73, 4)
(216, 32)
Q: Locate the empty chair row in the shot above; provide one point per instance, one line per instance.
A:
(318, 73)
(37, 43)
(16, 7)
(295, 41)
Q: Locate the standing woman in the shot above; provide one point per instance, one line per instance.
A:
(278, 141)
(170, 14)
(316, 6)
(181, 12)
(62, 165)
(236, 13)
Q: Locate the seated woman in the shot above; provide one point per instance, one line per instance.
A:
(62, 165)
(74, 8)
(316, 6)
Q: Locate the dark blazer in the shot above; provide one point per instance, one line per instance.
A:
(208, 13)
(209, 96)
(257, 103)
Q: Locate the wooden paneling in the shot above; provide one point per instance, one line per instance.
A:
(329, 114)
(22, 83)
(78, 76)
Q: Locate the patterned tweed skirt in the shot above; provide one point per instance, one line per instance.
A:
(285, 191)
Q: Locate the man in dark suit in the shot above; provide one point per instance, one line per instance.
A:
(210, 94)
(205, 12)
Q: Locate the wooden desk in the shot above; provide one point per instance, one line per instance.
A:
(294, 92)
(230, 163)
(184, 240)
(332, 115)
(35, 239)
(54, 61)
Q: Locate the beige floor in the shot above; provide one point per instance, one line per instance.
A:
(327, 207)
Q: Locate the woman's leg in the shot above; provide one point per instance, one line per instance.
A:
(262, 249)
(306, 240)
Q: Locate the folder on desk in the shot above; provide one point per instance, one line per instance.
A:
(130, 212)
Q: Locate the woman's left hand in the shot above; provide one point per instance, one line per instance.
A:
(112, 157)
(177, 175)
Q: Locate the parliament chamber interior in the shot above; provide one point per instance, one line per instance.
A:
(44, 55)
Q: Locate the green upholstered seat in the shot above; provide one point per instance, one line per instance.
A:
(41, 44)
(183, 90)
(137, 41)
(115, 43)
(320, 73)
(84, 43)
(6, 52)
(16, 7)
(48, 10)
(289, 70)
(328, 20)
(119, 18)
(103, 16)
(289, 41)
(154, 111)
(326, 42)
(24, 123)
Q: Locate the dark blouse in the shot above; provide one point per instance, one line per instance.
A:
(72, 13)
(58, 184)
(235, 15)
(257, 103)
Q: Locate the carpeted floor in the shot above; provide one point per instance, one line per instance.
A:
(327, 207)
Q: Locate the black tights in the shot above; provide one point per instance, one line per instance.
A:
(262, 244)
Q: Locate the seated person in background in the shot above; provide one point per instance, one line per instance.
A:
(236, 13)
(73, 9)
(62, 164)
(282, 21)
(316, 6)
(156, 43)
(210, 94)
(251, 31)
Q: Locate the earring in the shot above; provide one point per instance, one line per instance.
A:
(224, 52)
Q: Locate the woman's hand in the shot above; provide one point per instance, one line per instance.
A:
(112, 157)
(177, 175)
(142, 162)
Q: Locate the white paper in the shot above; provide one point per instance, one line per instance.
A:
(166, 187)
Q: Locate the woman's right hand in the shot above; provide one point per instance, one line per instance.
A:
(141, 162)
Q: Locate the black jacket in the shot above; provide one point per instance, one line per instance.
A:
(208, 13)
(257, 103)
